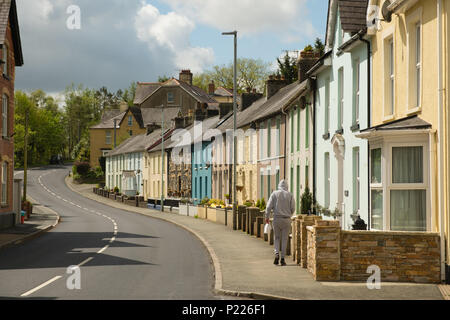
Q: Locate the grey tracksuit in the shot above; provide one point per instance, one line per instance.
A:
(282, 203)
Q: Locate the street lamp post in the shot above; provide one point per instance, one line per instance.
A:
(234, 34)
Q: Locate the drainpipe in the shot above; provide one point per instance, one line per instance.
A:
(286, 120)
(369, 102)
(313, 90)
(440, 142)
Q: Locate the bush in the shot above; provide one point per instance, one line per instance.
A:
(261, 204)
(82, 168)
(116, 190)
(306, 202)
(98, 172)
(204, 202)
(248, 203)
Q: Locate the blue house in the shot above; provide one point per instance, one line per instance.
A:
(201, 149)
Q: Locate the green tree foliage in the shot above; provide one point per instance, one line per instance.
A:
(319, 46)
(163, 78)
(288, 68)
(46, 134)
(306, 202)
(251, 74)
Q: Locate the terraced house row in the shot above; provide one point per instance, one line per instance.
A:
(365, 128)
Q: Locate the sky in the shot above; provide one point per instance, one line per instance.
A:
(115, 42)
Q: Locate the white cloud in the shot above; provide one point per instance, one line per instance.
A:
(172, 32)
(288, 18)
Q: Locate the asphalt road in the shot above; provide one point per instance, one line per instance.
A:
(120, 255)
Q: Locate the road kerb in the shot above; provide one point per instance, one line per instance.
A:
(34, 234)
(218, 287)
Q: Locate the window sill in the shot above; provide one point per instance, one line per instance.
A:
(326, 136)
(388, 118)
(355, 127)
(413, 111)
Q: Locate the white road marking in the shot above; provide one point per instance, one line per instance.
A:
(26, 294)
(103, 249)
(85, 261)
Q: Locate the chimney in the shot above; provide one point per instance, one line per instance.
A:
(152, 127)
(225, 108)
(180, 122)
(211, 88)
(274, 84)
(186, 76)
(248, 98)
(305, 62)
(123, 106)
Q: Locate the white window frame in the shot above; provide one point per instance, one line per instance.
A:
(341, 91)
(386, 184)
(356, 90)
(415, 59)
(170, 97)
(5, 59)
(4, 200)
(327, 105)
(5, 107)
(108, 138)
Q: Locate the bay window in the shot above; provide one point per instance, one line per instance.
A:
(399, 186)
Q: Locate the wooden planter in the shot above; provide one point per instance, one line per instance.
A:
(201, 212)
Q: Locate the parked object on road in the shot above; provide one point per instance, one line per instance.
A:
(282, 203)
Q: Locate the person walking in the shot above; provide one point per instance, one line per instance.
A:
(282, 203)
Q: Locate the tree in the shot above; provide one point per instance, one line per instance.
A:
(129, 94)
(288, 68)
(251, 74)
(163, 78)
(319, 46)
(46, 129)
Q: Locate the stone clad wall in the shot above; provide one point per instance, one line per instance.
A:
(401, 256)
(333, 254)
(323, 250)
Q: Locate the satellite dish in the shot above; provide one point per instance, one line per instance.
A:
(387, 14)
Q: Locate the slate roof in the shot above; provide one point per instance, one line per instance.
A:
(136, 144)
(353, 15)
(137, 115)
(177, 139)
(154, 115)
(109, 114)
(8, 11)
(145, 90)
(109, 123)
(410, 123)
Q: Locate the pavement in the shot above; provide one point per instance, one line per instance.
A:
(243, 265)
(41, 220)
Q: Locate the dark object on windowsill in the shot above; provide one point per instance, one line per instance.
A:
(6, 77)
(340, 131)
(355, 127)
(359, 224)
(326, 136)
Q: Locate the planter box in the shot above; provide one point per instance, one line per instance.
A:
(183, 210)
(112, 196)
(212, 214)
(201, 212)
(221, 216)
(231, 219)
(192, 211)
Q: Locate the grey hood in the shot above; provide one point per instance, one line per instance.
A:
(283, 185)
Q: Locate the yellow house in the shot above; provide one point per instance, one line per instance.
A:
(128, 123)
(152, 172)
(407, 138)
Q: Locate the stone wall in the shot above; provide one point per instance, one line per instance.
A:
(333, 254)
(401, 256)
(323, 252)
